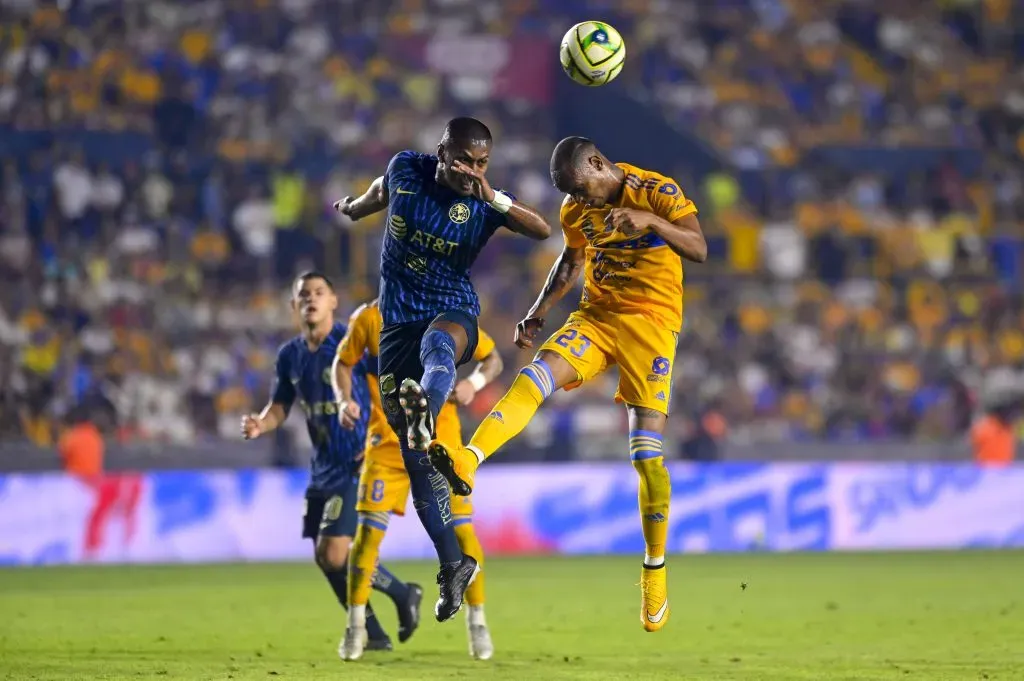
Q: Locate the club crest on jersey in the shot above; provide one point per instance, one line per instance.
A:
(327, 376)
(458, 213)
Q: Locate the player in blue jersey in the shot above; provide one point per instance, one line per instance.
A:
(304, 374)
(441, 212)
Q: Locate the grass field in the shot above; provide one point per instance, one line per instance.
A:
(822, 617)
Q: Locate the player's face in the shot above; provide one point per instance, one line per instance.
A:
(475, 156)
(314, 301)
(592, 184)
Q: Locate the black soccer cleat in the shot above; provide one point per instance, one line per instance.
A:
(456, 471)
(418, 418)
(380, 644)
(454, 580)
(409, 613)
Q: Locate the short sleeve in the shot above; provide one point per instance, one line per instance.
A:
(398, 166)
(358, 337)
(484, 346)
(569, 216)
(669, 202)
(283, 392)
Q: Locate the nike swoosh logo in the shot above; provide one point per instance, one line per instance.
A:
(656, 617)
(404, 191)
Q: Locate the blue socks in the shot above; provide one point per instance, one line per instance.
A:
(338, 579)
(432, 500)
(437, 355)
(385, 582)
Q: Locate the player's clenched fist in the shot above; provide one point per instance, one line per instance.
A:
(463, 393)
(251, 427)
(526, 331)
(344, 206)
(629, 221)
(348, 415)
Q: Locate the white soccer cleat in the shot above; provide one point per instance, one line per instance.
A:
(480, 645)
(354, 643)
(419, 420)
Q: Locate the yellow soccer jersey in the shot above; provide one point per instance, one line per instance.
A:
(631, 274)
(363, 335)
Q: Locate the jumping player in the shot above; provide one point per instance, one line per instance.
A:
(384, 483)
(628, 229)
(304, 373)
(441, 212)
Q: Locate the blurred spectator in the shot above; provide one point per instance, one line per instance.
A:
(81, 446)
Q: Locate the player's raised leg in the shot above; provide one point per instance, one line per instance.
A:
(575, 353)
(445, 344)
(532, 385)
(645, 450)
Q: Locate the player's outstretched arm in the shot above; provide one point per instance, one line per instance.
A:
(519, 217)
(373, 200)
(684, 236)
(561, 278)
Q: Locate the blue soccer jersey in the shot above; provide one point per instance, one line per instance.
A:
(433, 236)
(305, 375)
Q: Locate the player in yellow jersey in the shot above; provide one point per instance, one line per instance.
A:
(384, 482)
(628, 229)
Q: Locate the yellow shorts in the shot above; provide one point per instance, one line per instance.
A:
(643, 351)
(385, 489)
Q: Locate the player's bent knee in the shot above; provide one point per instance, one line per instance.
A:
(539, 374)
(561, 370)
(372, 524)
(645, 418)
(332, 552)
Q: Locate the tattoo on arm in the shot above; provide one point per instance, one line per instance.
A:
(561, 278)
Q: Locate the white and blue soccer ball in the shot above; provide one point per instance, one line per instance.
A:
(592, 53)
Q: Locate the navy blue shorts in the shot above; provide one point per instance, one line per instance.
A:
(399, 354)
(331, 514)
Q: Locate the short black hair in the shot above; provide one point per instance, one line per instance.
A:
(465, 129)
(570, 154)
(312, 274)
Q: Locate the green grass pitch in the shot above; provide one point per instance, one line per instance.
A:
(824, 617)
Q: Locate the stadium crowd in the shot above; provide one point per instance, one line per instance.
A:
(171, 165)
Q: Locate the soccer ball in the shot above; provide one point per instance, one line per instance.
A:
(592, 53)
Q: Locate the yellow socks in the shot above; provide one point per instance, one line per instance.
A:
(470, 545)
(532, 386)
(362, 561)
(655, 492)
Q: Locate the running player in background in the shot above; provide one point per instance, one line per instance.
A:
(441, 212)
(304, 373)
(384, 483)
(629, 230)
